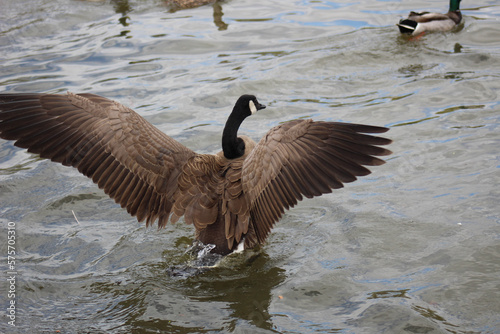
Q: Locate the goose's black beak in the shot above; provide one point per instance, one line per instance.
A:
(260, 106)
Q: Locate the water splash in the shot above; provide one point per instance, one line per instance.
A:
(200, 260)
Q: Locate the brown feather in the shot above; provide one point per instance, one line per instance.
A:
(85, 131)
(307, 159)
(154, 177)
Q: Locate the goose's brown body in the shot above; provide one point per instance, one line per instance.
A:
(228, 200)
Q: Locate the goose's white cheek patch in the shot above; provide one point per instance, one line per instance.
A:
(253, 108)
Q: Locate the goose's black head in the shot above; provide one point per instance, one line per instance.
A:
(233, 146)
(247, 105)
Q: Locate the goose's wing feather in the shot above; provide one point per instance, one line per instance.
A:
(304, 158)
(136, 164)
(197, 196)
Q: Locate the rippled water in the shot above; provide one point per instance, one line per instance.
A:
(414, 247)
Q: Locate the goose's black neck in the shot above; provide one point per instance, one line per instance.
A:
(233, 146)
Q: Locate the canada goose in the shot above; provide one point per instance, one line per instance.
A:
(419, 23)
(232, 198)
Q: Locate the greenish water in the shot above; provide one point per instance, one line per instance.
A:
(412, 248)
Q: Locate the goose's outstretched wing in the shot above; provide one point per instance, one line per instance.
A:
(304, 158)
(136, 164)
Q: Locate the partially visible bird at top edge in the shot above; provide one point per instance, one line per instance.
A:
(417, 24)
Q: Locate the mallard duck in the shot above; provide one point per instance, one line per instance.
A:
(232, 198)
(419, 23)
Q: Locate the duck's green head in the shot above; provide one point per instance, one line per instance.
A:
(454, 5)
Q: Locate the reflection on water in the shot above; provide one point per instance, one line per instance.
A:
(123, 7)
(389, 294)
(235, 286)
(175, 5)
(195, 302)
(411, 248)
